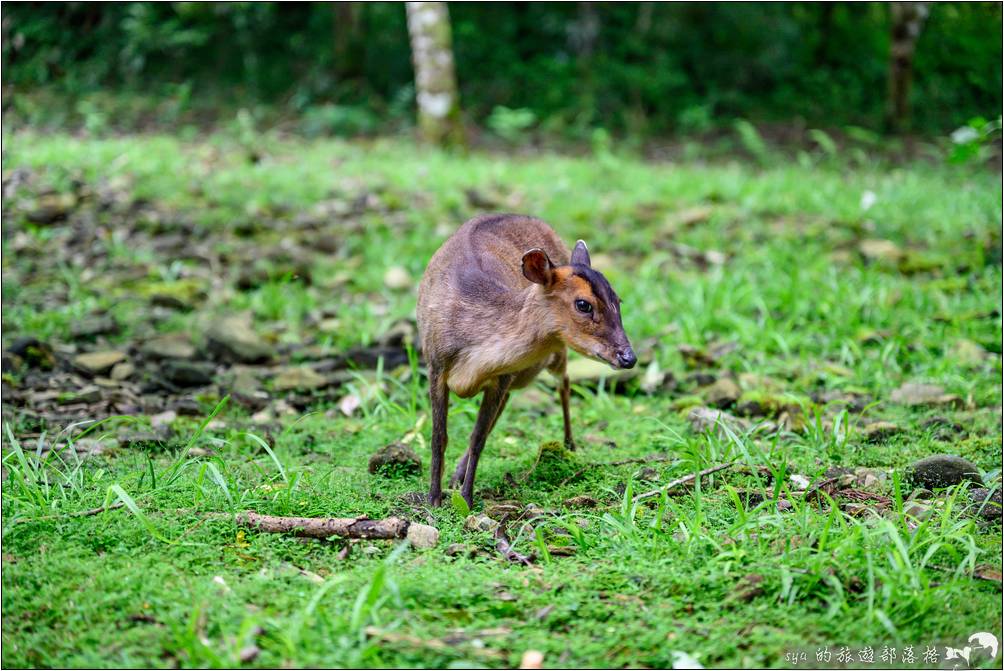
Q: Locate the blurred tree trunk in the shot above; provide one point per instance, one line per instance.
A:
(907, 22)
(583, 34)
(349, 41)
(435, 80)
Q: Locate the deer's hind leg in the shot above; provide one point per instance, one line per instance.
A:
(461, 470)
(439, 403)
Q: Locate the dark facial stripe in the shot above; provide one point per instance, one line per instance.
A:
(601, 288)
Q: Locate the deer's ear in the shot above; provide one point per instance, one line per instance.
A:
(580, 255)
(537, 267)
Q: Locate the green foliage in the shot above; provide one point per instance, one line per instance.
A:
(973, 142)
(510, 124)
(650, 67)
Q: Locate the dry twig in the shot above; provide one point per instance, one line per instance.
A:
(684, 480)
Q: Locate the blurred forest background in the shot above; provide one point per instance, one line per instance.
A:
(559, 70)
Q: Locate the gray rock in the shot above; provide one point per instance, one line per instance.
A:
(122, 371)
(968, 352)
(395, 460)
(461, 550)
(91, 327)
(986, 503)
(581, 501)
(300, 378)
(943, 470)
(233, 340)
(880, 250)
(187, 373)
(140, 439)
(172, 346)
(422, 535)
(33, 352)
(480, 523)
(97, 363)
(916, 393)
(879, 431)
(702, 419)
(723, 393)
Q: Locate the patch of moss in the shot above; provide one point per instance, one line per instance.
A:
(685, 403)
(767, 404)
(555, 463)
(187, 291)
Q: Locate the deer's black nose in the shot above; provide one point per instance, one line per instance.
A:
(626, 358)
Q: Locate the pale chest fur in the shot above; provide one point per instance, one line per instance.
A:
(478, 367)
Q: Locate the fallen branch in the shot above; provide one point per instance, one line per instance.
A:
(684, 480)
(650, 459)
(420, 535)
(80, 513)
(325, 527)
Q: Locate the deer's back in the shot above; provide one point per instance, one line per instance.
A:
(473, 286)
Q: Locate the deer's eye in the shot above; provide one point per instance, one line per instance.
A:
(583, 306)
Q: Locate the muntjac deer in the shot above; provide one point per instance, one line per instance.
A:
(499, 302)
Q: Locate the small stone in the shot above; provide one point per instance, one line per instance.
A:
(33, 352)
(300, 378)
(187, 373)
(144, 439)
(653, 378)
(879, 431)
(648, 474)
(233, 340)
(480, 523)
(986, 503)
(172, 346)
(91, 327)
(163, 418)
(881, 250)
(532, 659)
(723, 393)
(702, 419)
(968, 352)
(395, 460)
(869, 478)
(499, 510)
(799, 482)
(581, 501)
(915, 393)
(461, 550)
(943, 470)
(122, 371)
(423, 535)
(97, 363)
(397, 278)
(51, 207)
(249, 653)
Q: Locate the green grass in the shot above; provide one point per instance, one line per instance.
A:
(137, 585)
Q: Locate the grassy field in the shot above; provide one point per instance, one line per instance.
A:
(812, 289)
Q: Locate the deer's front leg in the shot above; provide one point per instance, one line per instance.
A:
(558, 369)
(491, 405)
